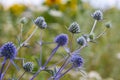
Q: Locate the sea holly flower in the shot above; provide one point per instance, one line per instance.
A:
(76, 60)
(28, 66)
(61, 39)
(74, 28)
(70, 61)
(98, 15)
(40, 22)
(82, 41)
(8, 51)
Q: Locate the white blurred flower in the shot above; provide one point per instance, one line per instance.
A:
(64, 1)
(94, 75)
(55, 13)
(39, 8)
(118, 55)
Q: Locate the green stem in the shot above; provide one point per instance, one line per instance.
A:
(94, 25)
(28, 38)
(59, 76)
(21, 31)
(6, 69)
(21, 75)
(52, 54)
(41, 48)
(71, 42)
(40, 69)
(44, 66)
(63, 66)
(101, 34)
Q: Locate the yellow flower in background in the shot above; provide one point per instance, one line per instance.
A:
(63, 5)
(52, 2)
(1, 7)
(72, 5)
(17, 9)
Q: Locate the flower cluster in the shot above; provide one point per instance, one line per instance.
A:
(71, 60)
(8, 51)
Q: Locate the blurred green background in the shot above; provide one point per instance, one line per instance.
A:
(102, 59)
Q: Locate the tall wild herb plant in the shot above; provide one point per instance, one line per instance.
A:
(72, 60)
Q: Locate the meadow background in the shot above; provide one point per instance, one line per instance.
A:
(102, 59)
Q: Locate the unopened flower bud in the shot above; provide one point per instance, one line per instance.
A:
(44, 25)
(108, 25)
(86, 36)
(82, 41)
(98, 15)
(92, 36)
(40, 22)
(28, 66)
(23, 20)
(74, 28)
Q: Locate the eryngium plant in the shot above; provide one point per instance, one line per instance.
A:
(8, 51)
(72, 59)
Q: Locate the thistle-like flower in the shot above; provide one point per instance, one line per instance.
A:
(76, 60)
(28, 66)
(98, 15)
(61, 39)
(82, 41)
(74, 28)
(8, 50)
(40, 22)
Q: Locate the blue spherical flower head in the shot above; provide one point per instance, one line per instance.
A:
(98, 15)
(8, 50)
(61, 39)
(76, 60)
